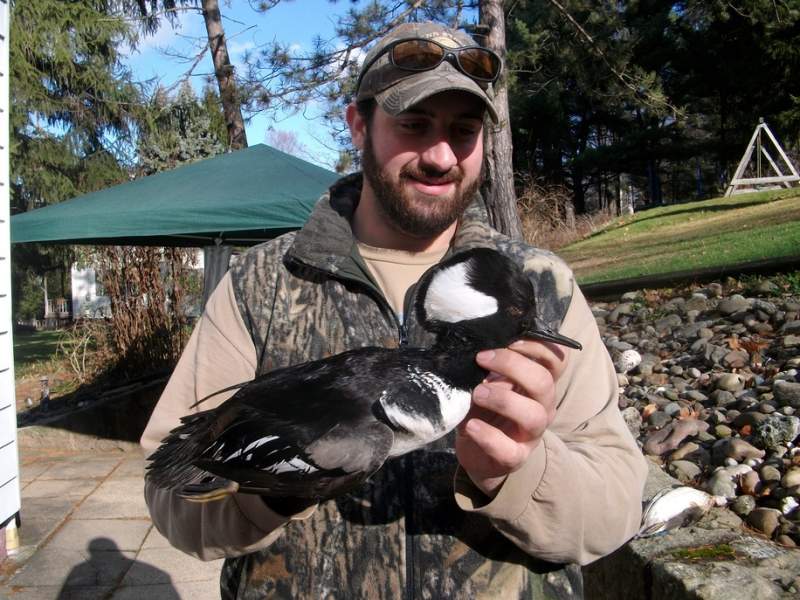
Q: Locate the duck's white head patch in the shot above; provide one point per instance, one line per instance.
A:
(451, 298)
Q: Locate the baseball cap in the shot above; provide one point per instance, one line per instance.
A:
(397, 89)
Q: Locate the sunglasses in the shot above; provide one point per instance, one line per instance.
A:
(417, 54)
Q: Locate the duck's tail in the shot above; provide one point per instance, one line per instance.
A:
(172, 465)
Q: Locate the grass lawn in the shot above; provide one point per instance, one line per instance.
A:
(30, 348)
(710, 233)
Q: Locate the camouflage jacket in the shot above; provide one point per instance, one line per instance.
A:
(308, 295)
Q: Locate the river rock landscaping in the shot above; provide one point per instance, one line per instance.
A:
(709, 386)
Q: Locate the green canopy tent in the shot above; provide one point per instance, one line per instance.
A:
(240, 198)
(235, 199)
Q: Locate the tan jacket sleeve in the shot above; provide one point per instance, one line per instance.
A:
(219, 354)
(578, 497)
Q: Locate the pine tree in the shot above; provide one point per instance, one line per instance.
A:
(178, 131)
(71, 109)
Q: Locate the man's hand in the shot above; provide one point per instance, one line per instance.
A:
(510, 411)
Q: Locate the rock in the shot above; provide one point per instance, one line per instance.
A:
(765, 520)
(705, 333)
(721, 484)
(733, 304)
(791, 341)
(747, 419)
(714, 290)
(743, 505)
(684, 450)
(625, 308)
(695, 395)
(658, 419)
(775, 430)
(633, 419)
(730, 382)
(649, 361)
(766, 408)
(767, 287)
(735, 448)
(764, 306)
(750, 483)
(627, 361)
(684, 470)
(787, 393)
(791, 478)
(669, 438)
(722, 398)
(736, 359)
(694, 373)
(788, 505)
(668, 323)
(769, 473)
(790, 327)
(697, 302)
(722, 431)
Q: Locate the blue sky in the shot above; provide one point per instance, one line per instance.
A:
(291, 22)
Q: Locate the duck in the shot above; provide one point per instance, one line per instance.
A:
(319, 429)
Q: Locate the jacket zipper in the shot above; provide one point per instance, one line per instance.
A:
(408, 499)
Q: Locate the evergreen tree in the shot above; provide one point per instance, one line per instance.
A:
(71, 110)
(179, 131)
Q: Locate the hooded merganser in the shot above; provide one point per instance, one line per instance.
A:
(317, 430)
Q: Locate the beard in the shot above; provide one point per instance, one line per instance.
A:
(414, 213)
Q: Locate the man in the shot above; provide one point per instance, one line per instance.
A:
(542, 469)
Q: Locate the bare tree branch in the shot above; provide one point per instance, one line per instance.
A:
(638, 90)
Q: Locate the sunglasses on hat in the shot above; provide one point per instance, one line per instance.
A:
(418, 54)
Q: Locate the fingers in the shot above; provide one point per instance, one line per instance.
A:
(531, 378)
(551, 356)
(525, 419)
(505, 454)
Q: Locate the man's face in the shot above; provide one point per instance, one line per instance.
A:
(424, 166)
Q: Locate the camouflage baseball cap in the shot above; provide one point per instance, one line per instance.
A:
(397, 89)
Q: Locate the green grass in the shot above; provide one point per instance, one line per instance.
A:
(711, 233)
(32, 348)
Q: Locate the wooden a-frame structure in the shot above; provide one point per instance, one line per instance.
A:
(755, 145)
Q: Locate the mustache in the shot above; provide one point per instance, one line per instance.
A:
(454, 175)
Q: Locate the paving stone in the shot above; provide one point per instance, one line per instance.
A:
(97, 468)
(195, 590)
(130, 467)
(47, 592)
(154, 539)
(115, 499)
(58, 488)
(41, 516)
(120, 534)
(173, 565)
(30, 471)
(59, 566)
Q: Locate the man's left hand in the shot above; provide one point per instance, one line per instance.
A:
(510, 412)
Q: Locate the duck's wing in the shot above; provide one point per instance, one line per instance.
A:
(276, 461)
(293, 433)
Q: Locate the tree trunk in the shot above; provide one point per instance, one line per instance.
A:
(231, 107)
(498, 188)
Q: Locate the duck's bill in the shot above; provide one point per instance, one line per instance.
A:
(546, 335)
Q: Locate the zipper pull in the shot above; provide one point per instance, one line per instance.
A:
(403, 334)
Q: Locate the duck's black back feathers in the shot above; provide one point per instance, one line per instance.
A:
(319, 429)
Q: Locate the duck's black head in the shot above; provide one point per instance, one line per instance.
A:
(481, 299)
